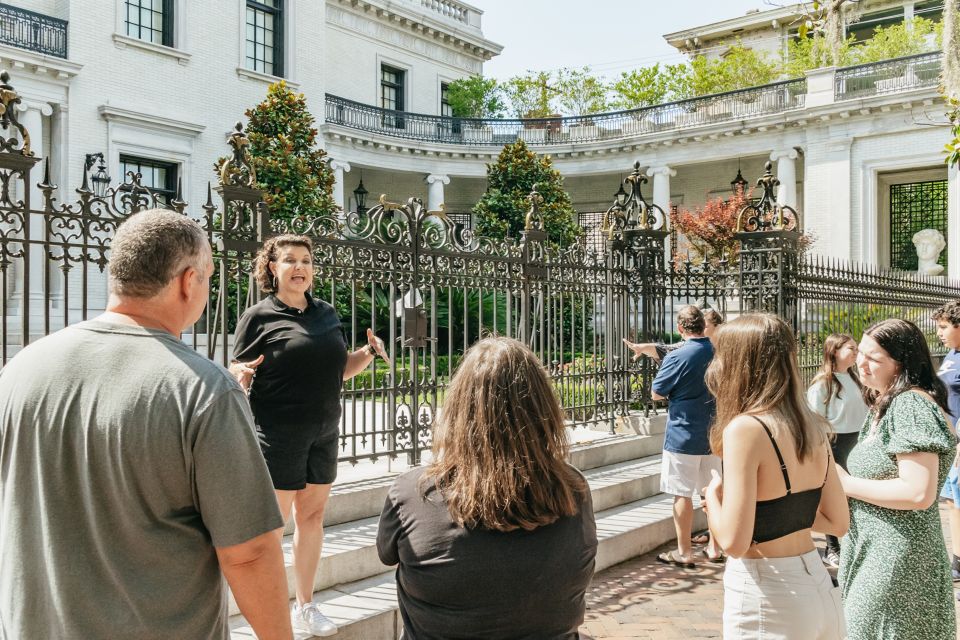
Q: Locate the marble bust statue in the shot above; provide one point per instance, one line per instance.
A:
(929, 244)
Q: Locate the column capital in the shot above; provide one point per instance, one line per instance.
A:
(43, 107)
(437, 177)
(662, 170)
(781, 154)
(339, 165)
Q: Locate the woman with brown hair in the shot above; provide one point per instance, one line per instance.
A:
(496, 538)
(835, 394)
(893, 566)
(296, 347)
(779, 484)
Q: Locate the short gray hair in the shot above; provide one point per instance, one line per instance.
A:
(150, 248)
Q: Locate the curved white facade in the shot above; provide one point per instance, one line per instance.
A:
(175, 104)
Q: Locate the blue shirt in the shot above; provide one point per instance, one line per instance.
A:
(681, 381)
(950, 374)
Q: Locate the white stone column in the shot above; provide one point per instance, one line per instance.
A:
(661, 197)
(786, 172)
(661, 189)
(953, 223)
(31, 117)
(340, 167)
(435, 182)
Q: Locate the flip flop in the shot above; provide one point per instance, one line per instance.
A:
(720, 559)
(674, 558)
(701, 538)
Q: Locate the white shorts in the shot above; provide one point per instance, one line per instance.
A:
(781, 599)
(685, 475)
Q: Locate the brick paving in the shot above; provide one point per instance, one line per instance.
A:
(642, 599)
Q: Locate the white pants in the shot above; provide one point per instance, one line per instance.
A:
(781, 599)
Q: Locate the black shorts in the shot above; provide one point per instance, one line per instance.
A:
(298, 455)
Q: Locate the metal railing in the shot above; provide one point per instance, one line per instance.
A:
(836, 296)
(430, 288)
(705, 110)
(33, 31)
(889, 76)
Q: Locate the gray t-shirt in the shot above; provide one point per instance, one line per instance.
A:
(125, 457)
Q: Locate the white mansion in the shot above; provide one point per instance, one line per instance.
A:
(156, 85)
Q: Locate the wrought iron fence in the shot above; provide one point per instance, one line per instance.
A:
(717, 108)
(836, 296)
(431, 288)
(33, 31)
(889, 76)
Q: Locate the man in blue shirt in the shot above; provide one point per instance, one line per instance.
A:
(947, 318)
(687, 461)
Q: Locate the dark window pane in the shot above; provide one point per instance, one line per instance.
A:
(915, 206)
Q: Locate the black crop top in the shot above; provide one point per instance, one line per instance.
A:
(789, 513)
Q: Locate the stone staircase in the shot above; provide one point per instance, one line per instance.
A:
(359, 593)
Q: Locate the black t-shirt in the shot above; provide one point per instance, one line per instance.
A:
(455, 583)
(305, 353)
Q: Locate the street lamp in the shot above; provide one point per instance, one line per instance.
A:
(620, 197)
(360, 195)
(739, 184)
(100, 179)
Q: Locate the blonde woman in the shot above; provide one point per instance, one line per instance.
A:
(779, 484)
(836, 395)
(496, 538)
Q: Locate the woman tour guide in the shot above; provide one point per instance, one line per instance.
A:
(291, 354)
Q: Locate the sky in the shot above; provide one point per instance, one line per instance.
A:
(608, 35)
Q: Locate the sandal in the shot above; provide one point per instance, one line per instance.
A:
(718, 559)
(701, 538)
(673, 557)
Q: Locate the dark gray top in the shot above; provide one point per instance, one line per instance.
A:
(125, 457)
(455, 583)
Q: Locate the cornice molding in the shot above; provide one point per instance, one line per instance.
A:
(409, 22)
(40, 65)
(121, 115)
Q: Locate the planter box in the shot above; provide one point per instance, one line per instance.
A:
(477, 134)
(584, 132)
(533, 135)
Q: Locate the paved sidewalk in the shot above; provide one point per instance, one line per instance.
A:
(642, 599)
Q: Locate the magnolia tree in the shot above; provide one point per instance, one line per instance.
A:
(291, 169)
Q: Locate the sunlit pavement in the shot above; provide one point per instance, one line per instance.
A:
(644, 599)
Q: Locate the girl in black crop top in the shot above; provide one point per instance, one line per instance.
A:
(779, 483)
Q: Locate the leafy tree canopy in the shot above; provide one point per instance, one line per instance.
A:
(503, 208)
(291, 170)
(475, 97)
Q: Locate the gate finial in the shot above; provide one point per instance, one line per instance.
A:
(237, 170)
(9, 98)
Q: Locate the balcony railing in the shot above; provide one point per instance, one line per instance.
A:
(705, 110)
(33, 31)
(889, 76)
(448, 9)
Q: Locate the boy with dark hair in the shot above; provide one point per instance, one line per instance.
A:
(947, 318)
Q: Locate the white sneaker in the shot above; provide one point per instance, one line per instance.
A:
(308, 618)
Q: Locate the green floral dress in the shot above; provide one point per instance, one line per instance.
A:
(893, 566)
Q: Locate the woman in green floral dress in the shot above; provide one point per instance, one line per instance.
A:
(893, 566)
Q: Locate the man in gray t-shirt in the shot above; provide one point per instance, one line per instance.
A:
(130, 473)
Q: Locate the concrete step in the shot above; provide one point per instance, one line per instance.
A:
(363, 498)
(367, 609)
(349, 549)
